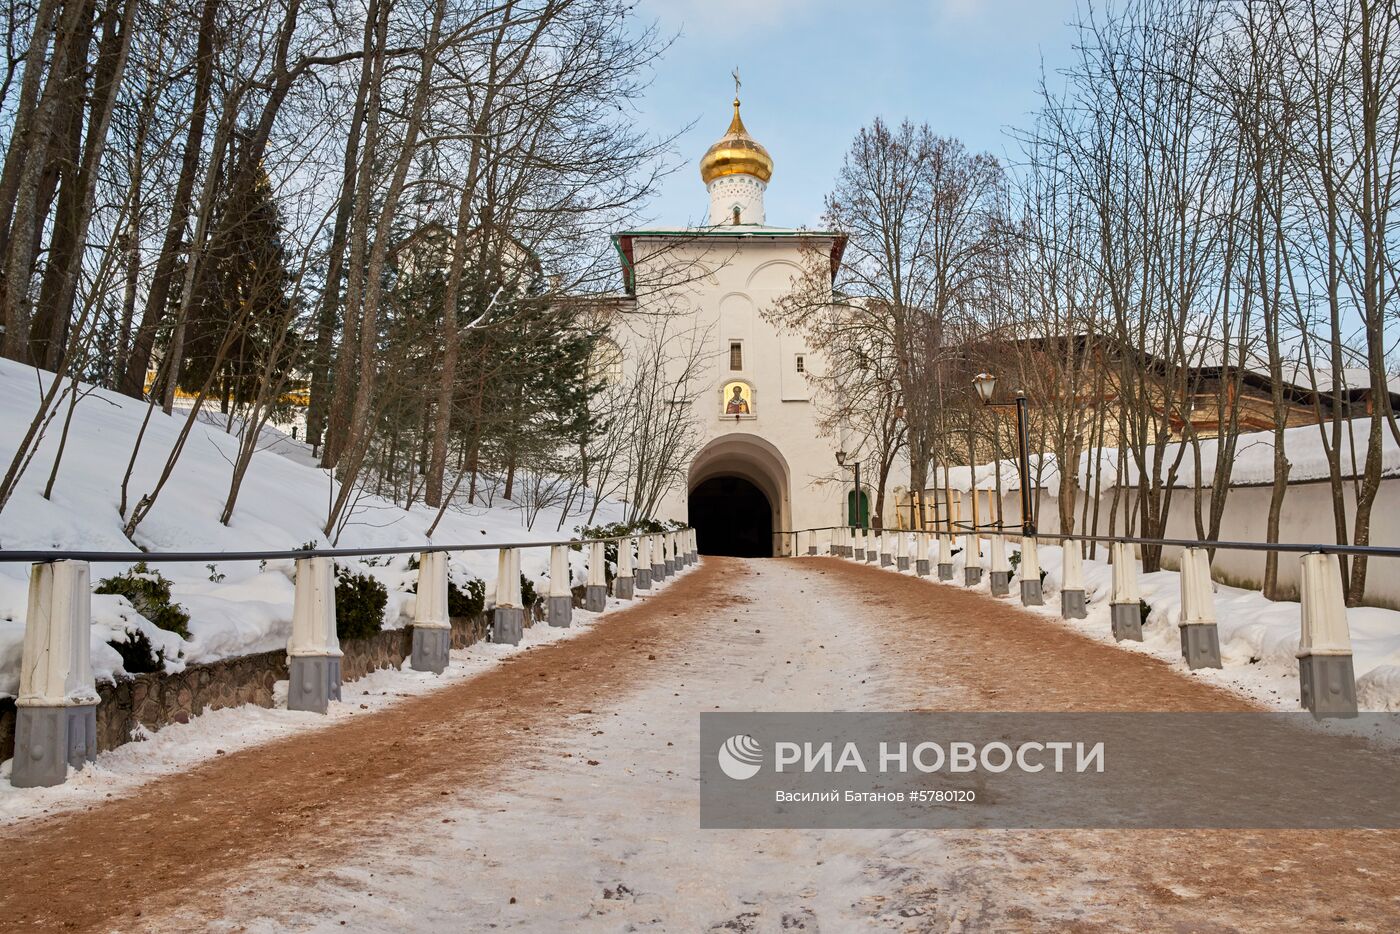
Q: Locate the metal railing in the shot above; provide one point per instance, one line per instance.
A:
(1327, 680)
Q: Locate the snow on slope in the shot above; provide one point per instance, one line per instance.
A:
(282, 505)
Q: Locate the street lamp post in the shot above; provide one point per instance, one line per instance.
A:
(986, 385)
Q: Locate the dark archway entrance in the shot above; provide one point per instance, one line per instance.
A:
(732, 517)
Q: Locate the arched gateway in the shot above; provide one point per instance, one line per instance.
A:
(692, 330)
(739, 496)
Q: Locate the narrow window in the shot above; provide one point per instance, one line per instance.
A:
(736, 214)
(801, 364)
(736, 355)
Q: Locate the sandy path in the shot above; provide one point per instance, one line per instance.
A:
(558, 792)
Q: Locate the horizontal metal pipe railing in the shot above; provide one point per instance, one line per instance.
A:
(175, 557)
(1370, 551)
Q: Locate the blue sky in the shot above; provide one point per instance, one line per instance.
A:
(815, 71)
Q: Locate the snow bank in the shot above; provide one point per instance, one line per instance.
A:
(235, 607)
(1258, 637)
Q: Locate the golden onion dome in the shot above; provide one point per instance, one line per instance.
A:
(736, 153)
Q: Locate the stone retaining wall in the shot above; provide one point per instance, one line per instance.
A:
(159, 698)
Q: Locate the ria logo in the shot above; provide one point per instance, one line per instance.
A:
(740, 757)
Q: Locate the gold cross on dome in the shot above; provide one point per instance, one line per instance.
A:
(737, 82)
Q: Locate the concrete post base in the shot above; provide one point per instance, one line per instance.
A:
(695, 557)
(431, 645)
(1328, 685)
(314, 682)
(658, 573)
(921, 567)
(886, 560)
(901, 564)
(670, 566)
(595, 598)
(972, 576)
(811, 549)
(643, 578)
(1072, 604)
(48, 740)
(623, 587)
(1031, 594)
(945, 571)
(559, 611)
(508, 625)
(871, 556)
(1200, 645)
(1127, 622)
(1001, 583)
(859, 554)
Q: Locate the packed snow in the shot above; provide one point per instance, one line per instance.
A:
(236, 608)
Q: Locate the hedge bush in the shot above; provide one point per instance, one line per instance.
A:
(149, 593)
(359, 604)
(468, 601)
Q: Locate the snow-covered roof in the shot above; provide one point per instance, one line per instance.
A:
(1252, 463)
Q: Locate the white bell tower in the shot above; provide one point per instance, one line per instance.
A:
(736, 170)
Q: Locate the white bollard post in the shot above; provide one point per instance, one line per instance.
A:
(694, 547)
(643, 562)
(595, 594)
(1000, 570)
(1326, 678)
(1126, 603)
(559, 609)
(921, 561)
(658, 558)
(811, 542)
(432, 625)
(1031, 590)
(626, 579)
(886, 548)
(1200, 641)
(972, 558)
(861, 541)
(1072, 581)
(508, 620)
(313, 651)
(945, 557)
(669, 552)
(56, 711)
(901, 550)
(875, 547)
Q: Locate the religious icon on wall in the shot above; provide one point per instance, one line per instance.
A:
(738, 399)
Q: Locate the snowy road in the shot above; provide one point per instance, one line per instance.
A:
(559, 793)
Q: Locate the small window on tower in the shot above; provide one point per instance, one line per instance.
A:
(736, 214)
(736, 355)
(801, 364)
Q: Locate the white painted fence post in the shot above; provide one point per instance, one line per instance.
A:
(886, 548)
(1072, 581)
(1000, 571)
(901, 550)
(669, 552)
(972, 558)
(1200, 640)
(56, 711)
(313, 651)
(1126, 602)
(626, 580)
(945, 556)
(1032, 593)
(595, 594)
(861, 542)
(1326, 678)
(694, 547)
(812, 542)
(508, 620)
(643, 562)
(432, 625)
(921, 562)
(559, 606)
(658, 558)
(875, 547)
